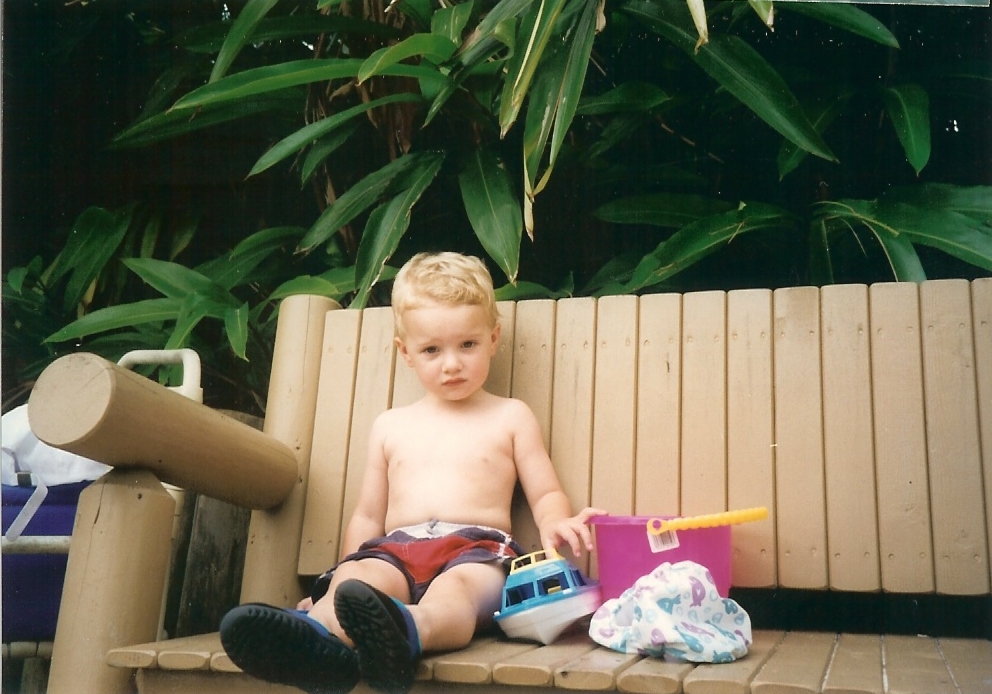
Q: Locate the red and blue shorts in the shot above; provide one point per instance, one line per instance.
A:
(423, 552)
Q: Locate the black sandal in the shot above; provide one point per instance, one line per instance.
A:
(387, 651)
(281, 645)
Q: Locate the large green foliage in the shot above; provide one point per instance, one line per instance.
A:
(430, 125)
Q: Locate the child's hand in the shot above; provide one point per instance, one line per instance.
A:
(572, 531)
(306, 604)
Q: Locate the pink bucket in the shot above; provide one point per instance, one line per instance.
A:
(624, 552)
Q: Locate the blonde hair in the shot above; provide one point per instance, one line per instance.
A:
(444, 278)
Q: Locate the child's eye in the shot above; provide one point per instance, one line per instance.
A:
(468, 344)
(430, 350)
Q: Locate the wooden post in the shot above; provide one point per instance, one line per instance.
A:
(114, 580)
(87, 405)
(273, 550)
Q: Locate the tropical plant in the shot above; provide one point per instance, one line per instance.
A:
(630, 140)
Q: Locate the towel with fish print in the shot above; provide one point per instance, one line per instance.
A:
(676, 613)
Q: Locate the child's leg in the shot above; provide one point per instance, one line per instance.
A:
(390, 636)
(376, 572)
(458, 602)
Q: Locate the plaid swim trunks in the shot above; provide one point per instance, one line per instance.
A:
(423, 552)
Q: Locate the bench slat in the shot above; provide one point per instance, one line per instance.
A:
(533, 376)
(571, 415)
(319, 547)
(172, 682)
(914, 664)
(373, 389)
(187, 653)
(905, 545)
(703, 474)
(750, 437)
(969, 660)
(475, 665)
(537, 667)
(856, 666)
(797, 666)
(597, 670)
(653, 676)
(735, 677)
(614, 400)
(659, 392)
(852, 526)
(956, 501)
(981, 293)
(801, 521)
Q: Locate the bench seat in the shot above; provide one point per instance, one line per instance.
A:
(778, 663)
(860, 416)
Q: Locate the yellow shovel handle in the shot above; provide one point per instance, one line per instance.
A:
(656, 526)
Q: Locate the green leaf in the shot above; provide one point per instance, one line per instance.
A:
(909, 109)
(16, 277)
(699, 239)
(902, 257)
(433, 46)
(181, 237)
(95, 236)
(149, 238)
(291, 144)
(493, 209)
(738, 68)
(242, 28)
(564, 92)
(386, 226)
(450, 21)
(236, 327)
(535, 32)
(208, 38)
(974, 201)
(234, 269)
(114, 317)
(417, 10)
(257, 81)
(629, 97)
(846, 17)
(360, 197)
(179, 282)
(484, 40)
(325, 147)
(529, 290)
(172, 124)
(660, 209)
(194, 308)
(967, 237)
(334, 284)
(262, 80)
(822, 114)
(765, 11)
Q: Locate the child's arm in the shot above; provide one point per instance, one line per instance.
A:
(369, 517)
(550, 507)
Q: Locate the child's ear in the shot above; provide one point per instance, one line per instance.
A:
(403, 351)
(495, 338)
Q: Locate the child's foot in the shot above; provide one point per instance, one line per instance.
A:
(384, 634)
(286, 646)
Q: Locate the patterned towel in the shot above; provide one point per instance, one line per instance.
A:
(675, 612)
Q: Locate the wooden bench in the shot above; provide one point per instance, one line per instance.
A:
(860, 416)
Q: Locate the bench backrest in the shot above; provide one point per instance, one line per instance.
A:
(860, 416)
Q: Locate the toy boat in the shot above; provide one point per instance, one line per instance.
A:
(544, 595)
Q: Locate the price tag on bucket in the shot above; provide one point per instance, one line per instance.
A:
(660, 540)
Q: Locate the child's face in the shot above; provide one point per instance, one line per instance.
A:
(449, 348)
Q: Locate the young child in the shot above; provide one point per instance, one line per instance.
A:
(427, 547)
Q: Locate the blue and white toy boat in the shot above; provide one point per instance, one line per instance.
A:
(544, 595)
